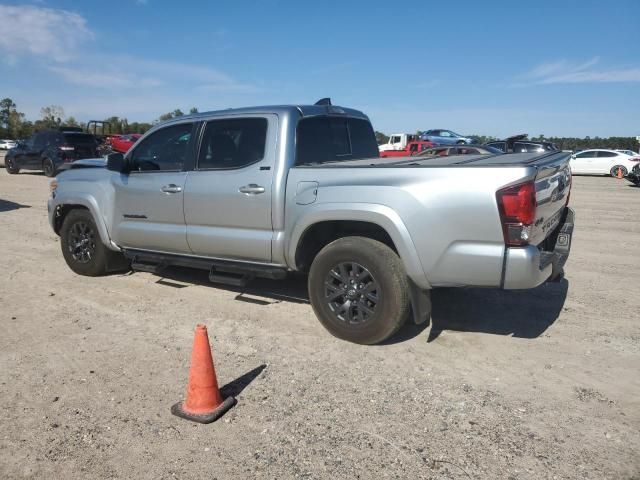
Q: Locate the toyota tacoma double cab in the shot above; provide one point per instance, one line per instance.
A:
(267, 191)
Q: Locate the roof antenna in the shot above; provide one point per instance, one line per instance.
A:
(323, 101)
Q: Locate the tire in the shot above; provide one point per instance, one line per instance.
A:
(10, 166)
(48, 168)
(461, 142)
(377, 304)
(90, 258)
(614, 171)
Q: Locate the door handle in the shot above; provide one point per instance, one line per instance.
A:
(251, 189)
(171, 188)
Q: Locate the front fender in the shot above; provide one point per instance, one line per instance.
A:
(380, 215)
(87, 201)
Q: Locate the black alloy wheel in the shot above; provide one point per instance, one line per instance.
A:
(81, 242)
(351, 292)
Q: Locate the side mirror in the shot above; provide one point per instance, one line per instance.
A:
(117, 163)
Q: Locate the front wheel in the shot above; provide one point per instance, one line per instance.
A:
(359, 290)
(10, 166)
(81, 245)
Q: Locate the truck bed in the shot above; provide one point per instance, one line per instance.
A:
(504, 160)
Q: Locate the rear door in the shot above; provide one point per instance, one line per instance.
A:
(32, 156)
(149, 201)
(605, 161)
(228, 195)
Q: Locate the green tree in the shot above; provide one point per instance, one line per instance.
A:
(177, 113)
(381, 138)
(193, 110)
(52, 116)
(71, 122)
(7, 106)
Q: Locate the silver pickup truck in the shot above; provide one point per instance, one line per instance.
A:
(266, 191)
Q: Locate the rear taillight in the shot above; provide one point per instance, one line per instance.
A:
(517, 206)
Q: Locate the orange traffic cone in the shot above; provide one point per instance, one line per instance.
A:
(620, 172)
(204, 403)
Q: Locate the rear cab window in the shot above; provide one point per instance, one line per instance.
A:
(325, 139)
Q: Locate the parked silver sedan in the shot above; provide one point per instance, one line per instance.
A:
(7, 144)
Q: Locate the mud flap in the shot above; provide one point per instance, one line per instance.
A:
(420, 303)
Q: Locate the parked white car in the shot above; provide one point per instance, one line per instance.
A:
(602, 162)
(628, 152)
(7, 144)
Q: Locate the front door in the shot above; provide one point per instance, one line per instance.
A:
(583, 162)
(228, 194)
(149, 201)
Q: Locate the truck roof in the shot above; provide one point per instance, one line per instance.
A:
(301, 110)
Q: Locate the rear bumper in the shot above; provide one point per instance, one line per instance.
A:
(530, 266)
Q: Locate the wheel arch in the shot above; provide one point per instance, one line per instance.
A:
(62, 209)
(325, 223)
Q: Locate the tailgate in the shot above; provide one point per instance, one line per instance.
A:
(553, 184)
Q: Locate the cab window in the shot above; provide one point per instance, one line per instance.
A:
(232, 143)
(163, 150)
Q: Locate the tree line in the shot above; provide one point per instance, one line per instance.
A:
(563, 143)
(14, 125)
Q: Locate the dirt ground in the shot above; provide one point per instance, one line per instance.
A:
(541, 384)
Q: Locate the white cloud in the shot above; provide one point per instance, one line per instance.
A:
(138, 73)
(33, 30)
(103, 79)
(563, 71)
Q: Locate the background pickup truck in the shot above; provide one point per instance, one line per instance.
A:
(412, 148)
(270, 190)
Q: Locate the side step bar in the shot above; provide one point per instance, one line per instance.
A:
(237, 274)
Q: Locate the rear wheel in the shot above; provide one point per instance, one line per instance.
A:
(461, 142)
(359, 290)
(10, 166)
(48, 167)
(618, 168)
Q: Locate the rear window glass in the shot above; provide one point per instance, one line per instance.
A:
(527, 147)
(328, 139)
(73, 138)
(499, 145)
(602, 153)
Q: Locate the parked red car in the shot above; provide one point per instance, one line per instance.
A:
(122, 143)
(412, 148)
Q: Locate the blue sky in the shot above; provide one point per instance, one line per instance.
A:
(484, 67)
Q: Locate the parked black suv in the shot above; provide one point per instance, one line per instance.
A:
(634, 175)
(49, 150)
(519, 143)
